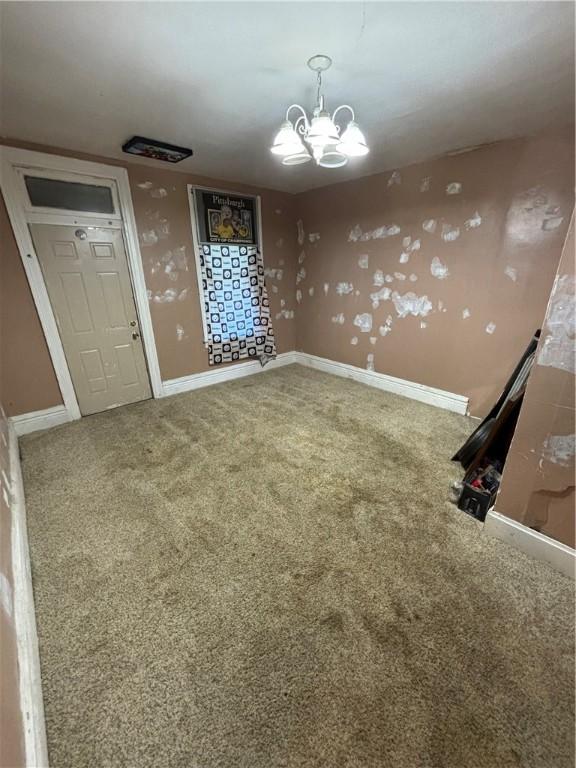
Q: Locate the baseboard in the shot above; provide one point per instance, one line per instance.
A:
(430, 395)
(32, 422)
(31, 701)
(223, 373)
(533, 543)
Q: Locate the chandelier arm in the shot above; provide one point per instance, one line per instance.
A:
(343, 106)
(302, 110)
(301, 125)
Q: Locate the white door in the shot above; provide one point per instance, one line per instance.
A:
(88, 282)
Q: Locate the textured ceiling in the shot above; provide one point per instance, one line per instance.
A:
(424, 78)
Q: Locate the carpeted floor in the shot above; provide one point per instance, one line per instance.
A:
(267, 573)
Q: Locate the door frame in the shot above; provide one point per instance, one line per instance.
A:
(20, 215)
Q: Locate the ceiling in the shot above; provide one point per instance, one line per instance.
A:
(424, 78)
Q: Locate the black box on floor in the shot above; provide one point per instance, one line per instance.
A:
(476, 501)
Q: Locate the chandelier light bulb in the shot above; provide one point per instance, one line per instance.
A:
(328, 145)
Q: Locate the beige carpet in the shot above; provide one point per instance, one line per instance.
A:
(267, 573)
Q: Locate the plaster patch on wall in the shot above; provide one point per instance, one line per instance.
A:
(474, 221)
(364, 322)
(356, 234)
(373, 340)
(183, 293)
(339, 319)
(354, 340)
(370, 362)
(399, 276)
(314, 237)
(438, 270)
(298, 295)
(363, 261)
(148, 237)
(425, 184)
(560, 449)
(301, 275)
(378, 278)
(273, 273)
(382, 295)
(326, 287)
(342, 289)
(302, 257)
(300, 228)
(411, 304)
(423, 324)
(512, 273)
(413, 278)
(274, 289)
(163, 297)
(388, 278)
(394, 178)
(558, 349)
(311, 291)
(450, 233)
(404, 257)
(179, 332)
(466, 313)
(490, 328)
(159, 192)
(429, 225)
(146, 185)
(552, 223)
(440, 306)
(286, 314)
(454, 188)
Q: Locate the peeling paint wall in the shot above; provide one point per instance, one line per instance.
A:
(12, 751)
(538, 485)
(159, 194)
(453, 259)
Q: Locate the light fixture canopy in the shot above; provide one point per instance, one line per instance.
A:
(330, 147)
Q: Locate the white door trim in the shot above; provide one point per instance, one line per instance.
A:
(12, 158)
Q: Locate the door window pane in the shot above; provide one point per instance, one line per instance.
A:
(69, 195)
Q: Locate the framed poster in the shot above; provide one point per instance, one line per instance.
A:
(223, 217)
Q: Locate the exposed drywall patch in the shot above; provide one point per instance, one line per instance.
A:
(342, 289)
(560, 449)
(490, 328)
(429, 225)
(370, 362)
(356, 234)
(364, 322)
(354, 340)
(378, 278)
(411, 304)
(558, 349)
(438, 270)
(466, 313)
(454, 188)
(450, 233)
(382, 295)
(326, 288)
(425, 184)
(363, 261)
(512, 273)
(314, 237)
(413, 278)
(394, 178)
(179, 332)
(474, 221)
(300, 229)
(146, 185)
(552, 223)
(339, 319)
(298, 295)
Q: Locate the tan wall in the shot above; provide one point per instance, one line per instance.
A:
(538, 484)
(11, 726)
(514, 190)
(27, 379)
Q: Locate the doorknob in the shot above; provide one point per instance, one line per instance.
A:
(135, 335)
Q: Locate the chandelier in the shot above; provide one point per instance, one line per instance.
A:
(326, 144)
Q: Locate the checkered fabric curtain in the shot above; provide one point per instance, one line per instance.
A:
(236, 304)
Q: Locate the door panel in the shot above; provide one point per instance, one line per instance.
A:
(89, 286)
